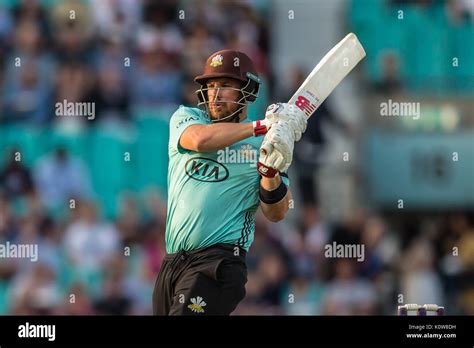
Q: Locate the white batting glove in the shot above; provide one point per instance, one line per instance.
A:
(290, 113)
(281, 140)
(282, 112)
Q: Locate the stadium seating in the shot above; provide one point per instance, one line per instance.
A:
(104, 153)
(426, 68)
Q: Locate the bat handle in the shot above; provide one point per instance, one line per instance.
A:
(266, 149)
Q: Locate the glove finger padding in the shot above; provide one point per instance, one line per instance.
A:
(282, 138)
(297, 135)
(285, 153)
(267, 164)
(299, 122)
(279, 161)
(274, 160)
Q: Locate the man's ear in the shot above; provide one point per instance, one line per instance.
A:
(243, 114)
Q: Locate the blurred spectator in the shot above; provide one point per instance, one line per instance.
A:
(155, 207)
(347, 294)
(112, 53)
(78, 301)
(128, 221)
(152, 250)
(350, 230)
(306, 245)
(162, 17)
(371, 238)
(114, 300)
(389, 83)
(143, 265)
(466, 283)
(303, 296)
(73, 31)
(116, 18)
(316, 232)
(6, 26)
(29, 234)
(112, 96)
(460, 11)
(466, 248)
(302, 262)
(248, 37)
(60, 177)
(15, 178)
(157, 81)
(28, 77)
(49, 246)
(272, 271)
(8, 231)
(74, 84)
(32, 11)
(199, 45)
(420, 282)
(8, 223)
(154, 247)
(266, 241)
(36, 292)
(189, 91)
(89, 242)
(456, 245)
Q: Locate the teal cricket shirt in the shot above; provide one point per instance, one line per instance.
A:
(212, 196)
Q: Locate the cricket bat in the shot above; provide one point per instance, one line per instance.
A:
(325, 77)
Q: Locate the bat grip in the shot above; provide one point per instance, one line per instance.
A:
(266, 149)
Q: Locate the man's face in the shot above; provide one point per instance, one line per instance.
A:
(221, 95)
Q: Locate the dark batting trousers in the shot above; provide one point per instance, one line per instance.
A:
(207, 281)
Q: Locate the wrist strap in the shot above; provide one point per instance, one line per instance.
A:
(268, 172)
(275, 196)
(259, 128)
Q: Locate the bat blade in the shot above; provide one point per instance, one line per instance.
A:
(328, 73)
(325, 77)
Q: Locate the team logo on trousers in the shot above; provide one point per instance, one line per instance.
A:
(197, 304)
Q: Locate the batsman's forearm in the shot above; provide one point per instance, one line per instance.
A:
(277, 211)
(218, 136)
(270, 184)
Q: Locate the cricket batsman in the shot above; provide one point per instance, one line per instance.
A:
(212, 203)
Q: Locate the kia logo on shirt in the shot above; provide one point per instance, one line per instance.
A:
(206, 169)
